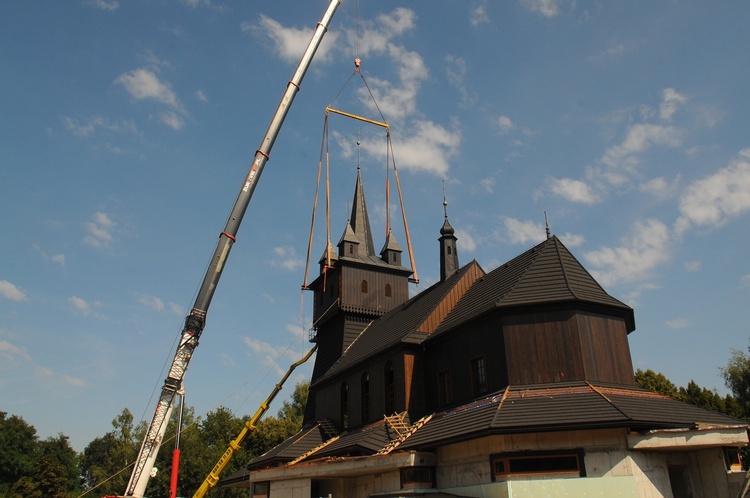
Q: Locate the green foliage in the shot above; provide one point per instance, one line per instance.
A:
(656, 382)
(35, 469)
(106, 461)
(18, 442)
(737, 378)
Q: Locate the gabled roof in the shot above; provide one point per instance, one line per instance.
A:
(545, 274)
(402, 324)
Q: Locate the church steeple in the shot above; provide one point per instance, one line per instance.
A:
(448, 250)
(360, 221)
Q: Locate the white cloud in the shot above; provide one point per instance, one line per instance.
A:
(153, 302)
(672, 100)
(621, 160)
(692, 266)
(465, 241)
(677, 323)
(286, 258)
(84, 308)
(641, 251)
(572, 190)
(547, 8)
(58, 258)
(201, 96)
(487, 184)
(10, 291)
(745, 280)
(429, 148)
(144, 84)
(290, 43)
(99, 230)
(572, 239)
(714, 200)
(10, 352)
(523, 232)
(478, 15)
(88, 127)
(455, 70)
(505, 124)
(659, 187)
(104, 4)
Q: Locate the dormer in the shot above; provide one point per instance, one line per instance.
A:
(349, 243)
(391, 251)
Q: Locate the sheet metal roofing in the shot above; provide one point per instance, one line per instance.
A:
(516, 409)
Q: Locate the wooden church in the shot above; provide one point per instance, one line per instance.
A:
(512, 383)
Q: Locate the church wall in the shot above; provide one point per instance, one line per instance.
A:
(352, 289)
(605, 348)
(543, 347)
(455, 353)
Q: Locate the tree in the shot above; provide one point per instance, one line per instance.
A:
(106, 460)
(656, 382)
(55, 473)
(737, 378)
(18, 451)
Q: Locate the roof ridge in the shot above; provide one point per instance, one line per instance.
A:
(461, 286)
(534, 250)
(563, 267)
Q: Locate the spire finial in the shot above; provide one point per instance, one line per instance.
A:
(546, 225)
(445, 202)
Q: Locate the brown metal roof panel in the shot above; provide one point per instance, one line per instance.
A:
(299, 444)
(561, 410)
(661, 410)
(395, 326)
(367, 439)
(471, 419)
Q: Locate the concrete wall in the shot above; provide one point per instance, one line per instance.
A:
(607, 455)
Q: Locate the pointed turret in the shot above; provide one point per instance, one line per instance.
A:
(349, 243)
(391, 251)
(448, 249)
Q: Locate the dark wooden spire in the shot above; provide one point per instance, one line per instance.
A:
(360, 221)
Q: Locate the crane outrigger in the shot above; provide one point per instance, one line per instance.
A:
(196, 319)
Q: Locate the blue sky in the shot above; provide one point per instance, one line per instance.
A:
(128, 127)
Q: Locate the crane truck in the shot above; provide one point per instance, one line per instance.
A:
(196, 319)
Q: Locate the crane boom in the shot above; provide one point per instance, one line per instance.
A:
(213, 477)
(196, 319)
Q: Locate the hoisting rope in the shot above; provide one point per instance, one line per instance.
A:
(390, 160)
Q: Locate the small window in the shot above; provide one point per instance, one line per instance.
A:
(417, 477)
(365, 390)
(364, 286)
(344, 405)
(351, 249)
(388, 291)
(393, 257)
(478, 376)
(444, 387)
(550, 463)
(448, 249)
(732, 459)
(261, 489)
(390, 389)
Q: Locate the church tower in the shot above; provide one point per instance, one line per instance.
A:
(355, 286)
(448, 250)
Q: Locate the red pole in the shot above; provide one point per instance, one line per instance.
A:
(175, 473)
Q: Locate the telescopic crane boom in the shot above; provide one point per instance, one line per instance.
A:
(196, 319)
